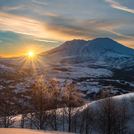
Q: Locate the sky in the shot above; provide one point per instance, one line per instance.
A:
(40, 25)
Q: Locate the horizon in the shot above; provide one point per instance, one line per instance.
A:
(44, 24)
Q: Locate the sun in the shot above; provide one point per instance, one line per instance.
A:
(31, 54)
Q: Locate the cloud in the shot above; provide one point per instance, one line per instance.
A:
(40, 2)
(118, 6)
(60, 28)
(23, 25)
(10, 8)
(48, 41)
(56, 28)
(87, 29)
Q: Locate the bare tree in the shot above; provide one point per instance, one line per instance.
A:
(39, 103)
(22, 105)
(56, 102)
(107, 116)
(7, 107)
(63, 118)
(87, 121)
(112, 117)
(123, 117)
(72, 98)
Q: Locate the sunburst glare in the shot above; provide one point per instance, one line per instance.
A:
(31, 54)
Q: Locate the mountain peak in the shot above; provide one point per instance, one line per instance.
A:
(97, 41)
(98, 47)
(74, 41)
(105, 41)
(103, 38)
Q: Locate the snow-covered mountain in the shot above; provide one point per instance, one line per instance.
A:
(97, 48)
(93, 64)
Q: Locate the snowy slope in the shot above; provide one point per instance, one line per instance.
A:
(117, 98)
(97, 48)
(91, 58)
(95, 105)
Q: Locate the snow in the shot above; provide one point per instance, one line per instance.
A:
(4, 68)
(26, 131)
(93, 104)
(93, 58)
(117, 98)
(98, 49)
(75, 60)
(90, 88)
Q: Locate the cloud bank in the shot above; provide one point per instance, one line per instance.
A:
(57, 26)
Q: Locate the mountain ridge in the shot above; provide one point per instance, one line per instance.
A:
(99, 47)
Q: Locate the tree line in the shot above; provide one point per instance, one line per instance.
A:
(50, 105)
